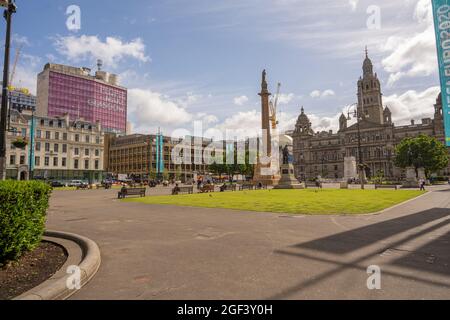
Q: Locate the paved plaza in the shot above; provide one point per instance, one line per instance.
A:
(165, 252)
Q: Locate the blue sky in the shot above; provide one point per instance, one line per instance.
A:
(202, 59)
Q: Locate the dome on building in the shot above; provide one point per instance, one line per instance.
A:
(303, 118)
(303, 124)
(285, 140)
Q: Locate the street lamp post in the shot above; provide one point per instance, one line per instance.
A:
(10, 10)
(323, 162)
(357, 114)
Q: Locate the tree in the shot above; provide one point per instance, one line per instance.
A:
(422, 152)
(379, 177)
(245, 169)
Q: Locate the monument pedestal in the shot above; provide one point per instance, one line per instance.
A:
(288, 180)
(411, 178)
(262, 175)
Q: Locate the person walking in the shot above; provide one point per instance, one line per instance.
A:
(422, 185)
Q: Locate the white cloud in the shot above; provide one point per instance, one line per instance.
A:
(240, 101)
(412, 105)
(20, 40)
(328, 93)
(111, 51)
(325, 94)
(207, 119)
(188, 99)
(320, 124)
(412, 56)
(248, 123)
(26, 72)
(353, 4)
(285, 98)
(315, 94)
(148, 109)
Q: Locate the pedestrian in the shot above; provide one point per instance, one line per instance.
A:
(422, 185)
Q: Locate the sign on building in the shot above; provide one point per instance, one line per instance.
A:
(441, 12)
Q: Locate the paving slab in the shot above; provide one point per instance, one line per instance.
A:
(166, 252)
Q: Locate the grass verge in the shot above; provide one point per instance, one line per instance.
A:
(326, 201)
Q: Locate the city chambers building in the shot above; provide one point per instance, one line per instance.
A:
(324, 153)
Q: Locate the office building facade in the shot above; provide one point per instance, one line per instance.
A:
(74, 91)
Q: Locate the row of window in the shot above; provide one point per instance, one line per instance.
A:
(58, 136)
(55, 162)
(64, 136)
(77, 151)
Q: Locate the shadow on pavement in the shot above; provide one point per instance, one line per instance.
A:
(433, 257)
(358, 238)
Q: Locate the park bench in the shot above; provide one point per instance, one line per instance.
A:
(207, 188)
(131, 192)
(385, 186)
(317, 185)
(228, 187)
(178, 190)
(247, 186)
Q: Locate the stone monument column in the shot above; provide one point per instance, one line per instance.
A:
(265, 113)
(265, 172)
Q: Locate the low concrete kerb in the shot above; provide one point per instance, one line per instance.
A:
(82, 253)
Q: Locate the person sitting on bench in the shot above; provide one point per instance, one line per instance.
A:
(176, 190)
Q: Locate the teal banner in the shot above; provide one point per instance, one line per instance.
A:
(441, 13)
(160, 153)
(32, 124)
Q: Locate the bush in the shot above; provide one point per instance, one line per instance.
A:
(23, 207)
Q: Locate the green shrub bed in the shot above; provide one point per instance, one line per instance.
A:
(23, 208)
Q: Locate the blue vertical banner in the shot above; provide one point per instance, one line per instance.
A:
(32, 124)
(441, 13)
(159, 153)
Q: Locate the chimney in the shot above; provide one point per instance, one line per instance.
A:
(413, 122)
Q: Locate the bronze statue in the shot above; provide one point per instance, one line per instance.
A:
(286, 155)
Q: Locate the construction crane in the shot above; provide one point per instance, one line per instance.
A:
(16, 60)
(273, 109)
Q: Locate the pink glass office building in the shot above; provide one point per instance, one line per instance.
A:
(74, 91)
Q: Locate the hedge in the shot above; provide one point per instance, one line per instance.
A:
(23, 207)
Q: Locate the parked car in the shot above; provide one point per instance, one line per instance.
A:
(77, 183)
(56, 184)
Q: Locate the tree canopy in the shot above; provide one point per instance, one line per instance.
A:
(230, 169)
(422, 152)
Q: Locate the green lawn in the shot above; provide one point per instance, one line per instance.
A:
(326, 201)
